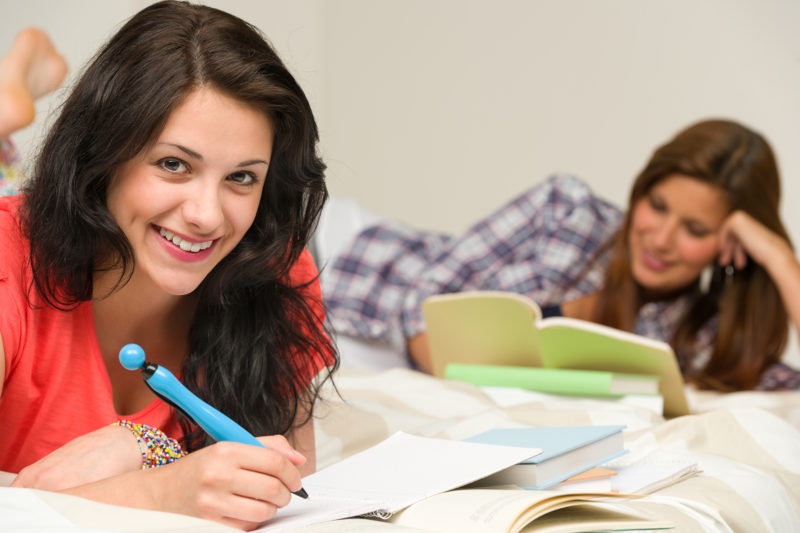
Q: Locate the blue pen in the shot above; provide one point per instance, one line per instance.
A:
(167, 387)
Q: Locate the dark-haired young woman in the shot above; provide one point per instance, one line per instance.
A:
(169, 206)
(700, 259)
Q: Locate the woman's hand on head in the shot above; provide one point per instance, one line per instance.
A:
(106, 452)
(236, 484)
(743, 236)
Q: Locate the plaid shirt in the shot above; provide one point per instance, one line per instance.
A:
(549, 243)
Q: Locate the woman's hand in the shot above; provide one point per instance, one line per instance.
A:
(103, 453)
(419, 352)
(236, 484)
(743, 236)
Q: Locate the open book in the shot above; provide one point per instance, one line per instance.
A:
(503, 328)
(513, 510)
(416, 475)
(503, 511)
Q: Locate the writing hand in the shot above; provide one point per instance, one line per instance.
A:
(236, 484)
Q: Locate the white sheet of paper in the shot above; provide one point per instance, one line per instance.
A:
(653, 472)
(392, 475)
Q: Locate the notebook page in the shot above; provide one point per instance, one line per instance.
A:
(392, 475)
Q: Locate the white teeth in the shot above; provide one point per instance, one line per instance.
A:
(186, 246)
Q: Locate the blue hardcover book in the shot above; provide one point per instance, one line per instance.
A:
(566, 451)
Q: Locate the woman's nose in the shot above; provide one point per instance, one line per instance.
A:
(664, 234)
(202, 208)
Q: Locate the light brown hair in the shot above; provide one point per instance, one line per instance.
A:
(753, 322)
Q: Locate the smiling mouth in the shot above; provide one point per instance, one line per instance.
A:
(653, 261)
(184, 245)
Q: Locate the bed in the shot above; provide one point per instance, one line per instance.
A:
(747, 444)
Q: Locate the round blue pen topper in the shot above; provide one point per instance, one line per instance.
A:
(131, 356)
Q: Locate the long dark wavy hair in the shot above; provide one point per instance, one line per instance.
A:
(252, 328)
(753, 321)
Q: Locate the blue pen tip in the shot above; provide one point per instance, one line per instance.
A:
(131, 356)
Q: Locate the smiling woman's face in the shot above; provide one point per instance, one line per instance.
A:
(675, 232)
(187, 200)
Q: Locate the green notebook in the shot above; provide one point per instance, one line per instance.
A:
(554, 380)
(503, 328)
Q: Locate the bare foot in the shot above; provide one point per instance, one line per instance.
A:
(29, 70)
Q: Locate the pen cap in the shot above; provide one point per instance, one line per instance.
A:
(131, 356)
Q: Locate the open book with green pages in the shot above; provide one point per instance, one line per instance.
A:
(421, 476)
(503, 328)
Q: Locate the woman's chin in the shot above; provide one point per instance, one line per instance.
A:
(180, 289)
(654, 289)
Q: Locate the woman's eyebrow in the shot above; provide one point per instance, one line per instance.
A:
(187, 151)
(199, 157)
(253, 162)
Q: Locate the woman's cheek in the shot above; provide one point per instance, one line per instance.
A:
(700, 252)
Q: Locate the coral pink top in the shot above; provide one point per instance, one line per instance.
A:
(56, 386)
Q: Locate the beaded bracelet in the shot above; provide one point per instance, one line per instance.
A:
(157, 449)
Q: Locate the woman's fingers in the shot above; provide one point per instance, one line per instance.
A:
(240, 482)
(280, 444)
(256, 497)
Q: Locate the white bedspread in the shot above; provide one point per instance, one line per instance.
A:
(746, 444)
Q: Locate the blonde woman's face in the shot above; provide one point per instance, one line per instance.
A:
(675, 232)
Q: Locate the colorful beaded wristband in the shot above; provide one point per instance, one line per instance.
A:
(157, 449)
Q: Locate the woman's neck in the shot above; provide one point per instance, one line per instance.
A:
(140, 312)
(647, 296)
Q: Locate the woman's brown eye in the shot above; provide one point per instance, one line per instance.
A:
(173, 165)
(656, 203)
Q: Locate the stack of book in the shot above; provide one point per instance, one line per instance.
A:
(581, 459)
(567, 451)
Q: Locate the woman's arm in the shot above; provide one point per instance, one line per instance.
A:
(236, 484)
(102, 453)
(743, 237)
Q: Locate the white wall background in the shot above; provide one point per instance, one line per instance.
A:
(437, 111)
